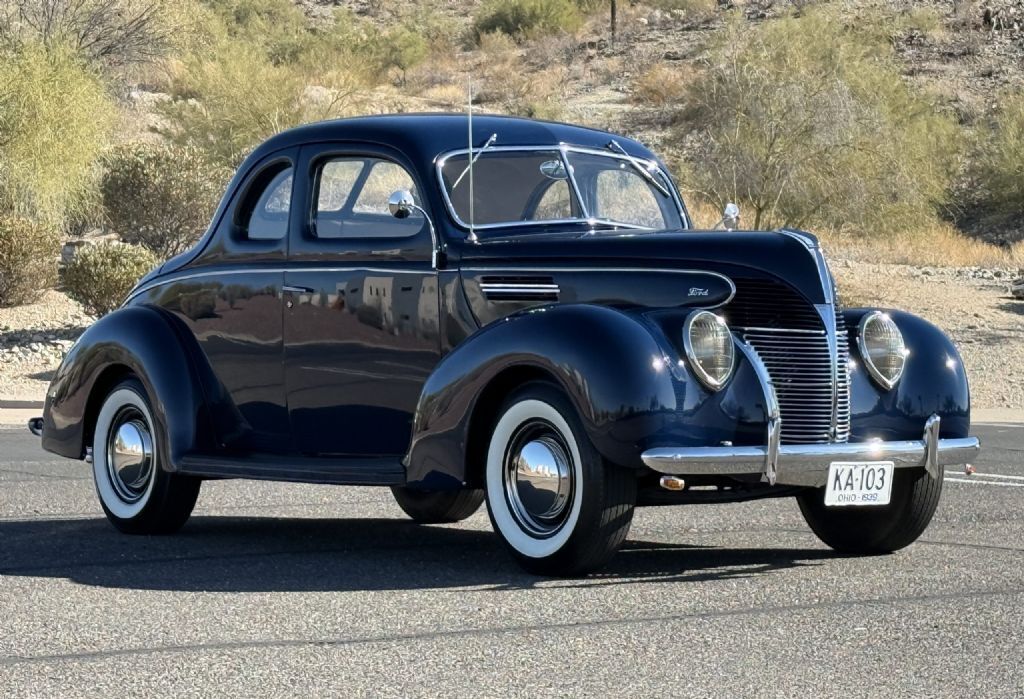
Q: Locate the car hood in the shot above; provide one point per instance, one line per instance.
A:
(792, 257)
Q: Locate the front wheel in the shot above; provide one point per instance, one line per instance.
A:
(137, 495)
(874, 530)
(554, 501)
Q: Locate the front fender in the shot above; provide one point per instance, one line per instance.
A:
(629, 385)
(934, 383)
(141, 340)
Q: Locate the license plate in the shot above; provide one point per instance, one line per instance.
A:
(858, 483)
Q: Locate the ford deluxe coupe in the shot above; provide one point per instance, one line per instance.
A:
(510, 311)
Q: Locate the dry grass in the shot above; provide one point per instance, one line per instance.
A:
(663, 84)
(934, 245)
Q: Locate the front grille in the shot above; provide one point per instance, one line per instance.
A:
(790, 337)
(843, 375)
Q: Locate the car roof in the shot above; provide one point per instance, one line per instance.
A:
(423, 136)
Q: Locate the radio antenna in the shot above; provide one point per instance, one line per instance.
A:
(469, 121)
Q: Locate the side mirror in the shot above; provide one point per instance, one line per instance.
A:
(731, 217)
(401, 204)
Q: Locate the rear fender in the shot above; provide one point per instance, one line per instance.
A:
(139, 340)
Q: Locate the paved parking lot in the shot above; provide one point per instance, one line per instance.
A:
(275, 590)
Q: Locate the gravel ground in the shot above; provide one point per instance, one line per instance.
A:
(33, 340)
(973, 305)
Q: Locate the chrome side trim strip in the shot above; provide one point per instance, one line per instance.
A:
(148, 286)
(660, 270)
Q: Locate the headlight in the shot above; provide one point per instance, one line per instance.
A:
(709, 347)
(882, 348)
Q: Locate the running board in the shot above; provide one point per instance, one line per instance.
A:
(298, 469)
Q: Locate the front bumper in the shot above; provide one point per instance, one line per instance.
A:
(808, 464)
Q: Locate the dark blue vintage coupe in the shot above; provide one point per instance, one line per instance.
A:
(512, 311)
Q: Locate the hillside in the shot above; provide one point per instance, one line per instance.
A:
(962, 56)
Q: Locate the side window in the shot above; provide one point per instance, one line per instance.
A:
(352, 199)
(337, 178)
(384, 178)
(264, 214)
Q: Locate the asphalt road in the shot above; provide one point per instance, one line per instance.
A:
(275, 590)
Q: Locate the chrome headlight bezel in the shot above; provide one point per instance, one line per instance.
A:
(713, 383)
(885, 381)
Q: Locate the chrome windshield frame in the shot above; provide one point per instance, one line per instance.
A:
(563, 149)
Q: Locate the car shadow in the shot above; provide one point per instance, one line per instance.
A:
(233, 554)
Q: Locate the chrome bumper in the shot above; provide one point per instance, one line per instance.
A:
(807, 464)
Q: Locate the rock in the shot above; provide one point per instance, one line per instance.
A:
(1017, 289)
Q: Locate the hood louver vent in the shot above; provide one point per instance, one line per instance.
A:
(519, 288)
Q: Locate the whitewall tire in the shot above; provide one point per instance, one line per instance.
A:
(556, 504)
(137, 495)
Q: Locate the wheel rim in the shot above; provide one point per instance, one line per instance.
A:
(130, 454)
(539, 478)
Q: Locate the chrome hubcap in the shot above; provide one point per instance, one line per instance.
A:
(539, 478)
(130, 454)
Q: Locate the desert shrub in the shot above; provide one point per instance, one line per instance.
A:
(995, 196)
(276, 27)
(100, 276)
(817, 132)
(112, 33)
(55, 118)
(29, 251)
(662, 85)
(227, 102)
(160, 197)
(522, 19)
(505, 84)
(401, 49)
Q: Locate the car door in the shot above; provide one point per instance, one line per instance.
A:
(361, 306)
(229, 297)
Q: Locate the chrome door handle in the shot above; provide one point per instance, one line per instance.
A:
(296, 289)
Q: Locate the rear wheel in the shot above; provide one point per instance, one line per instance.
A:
(438, 507)
(554, 501)
(873, 530)
(137, 495)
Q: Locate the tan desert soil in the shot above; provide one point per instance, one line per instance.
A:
(972, 305)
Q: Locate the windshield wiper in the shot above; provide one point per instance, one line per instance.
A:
(614, 146)
(488, 144)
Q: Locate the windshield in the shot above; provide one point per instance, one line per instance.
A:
(515, 186)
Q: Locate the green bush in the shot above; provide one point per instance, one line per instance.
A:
(821, 132)
(55, 118)
(228, 101)
(160, 197)
(523, 19)
(100, 276)
(29, 251)
(996, 181)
